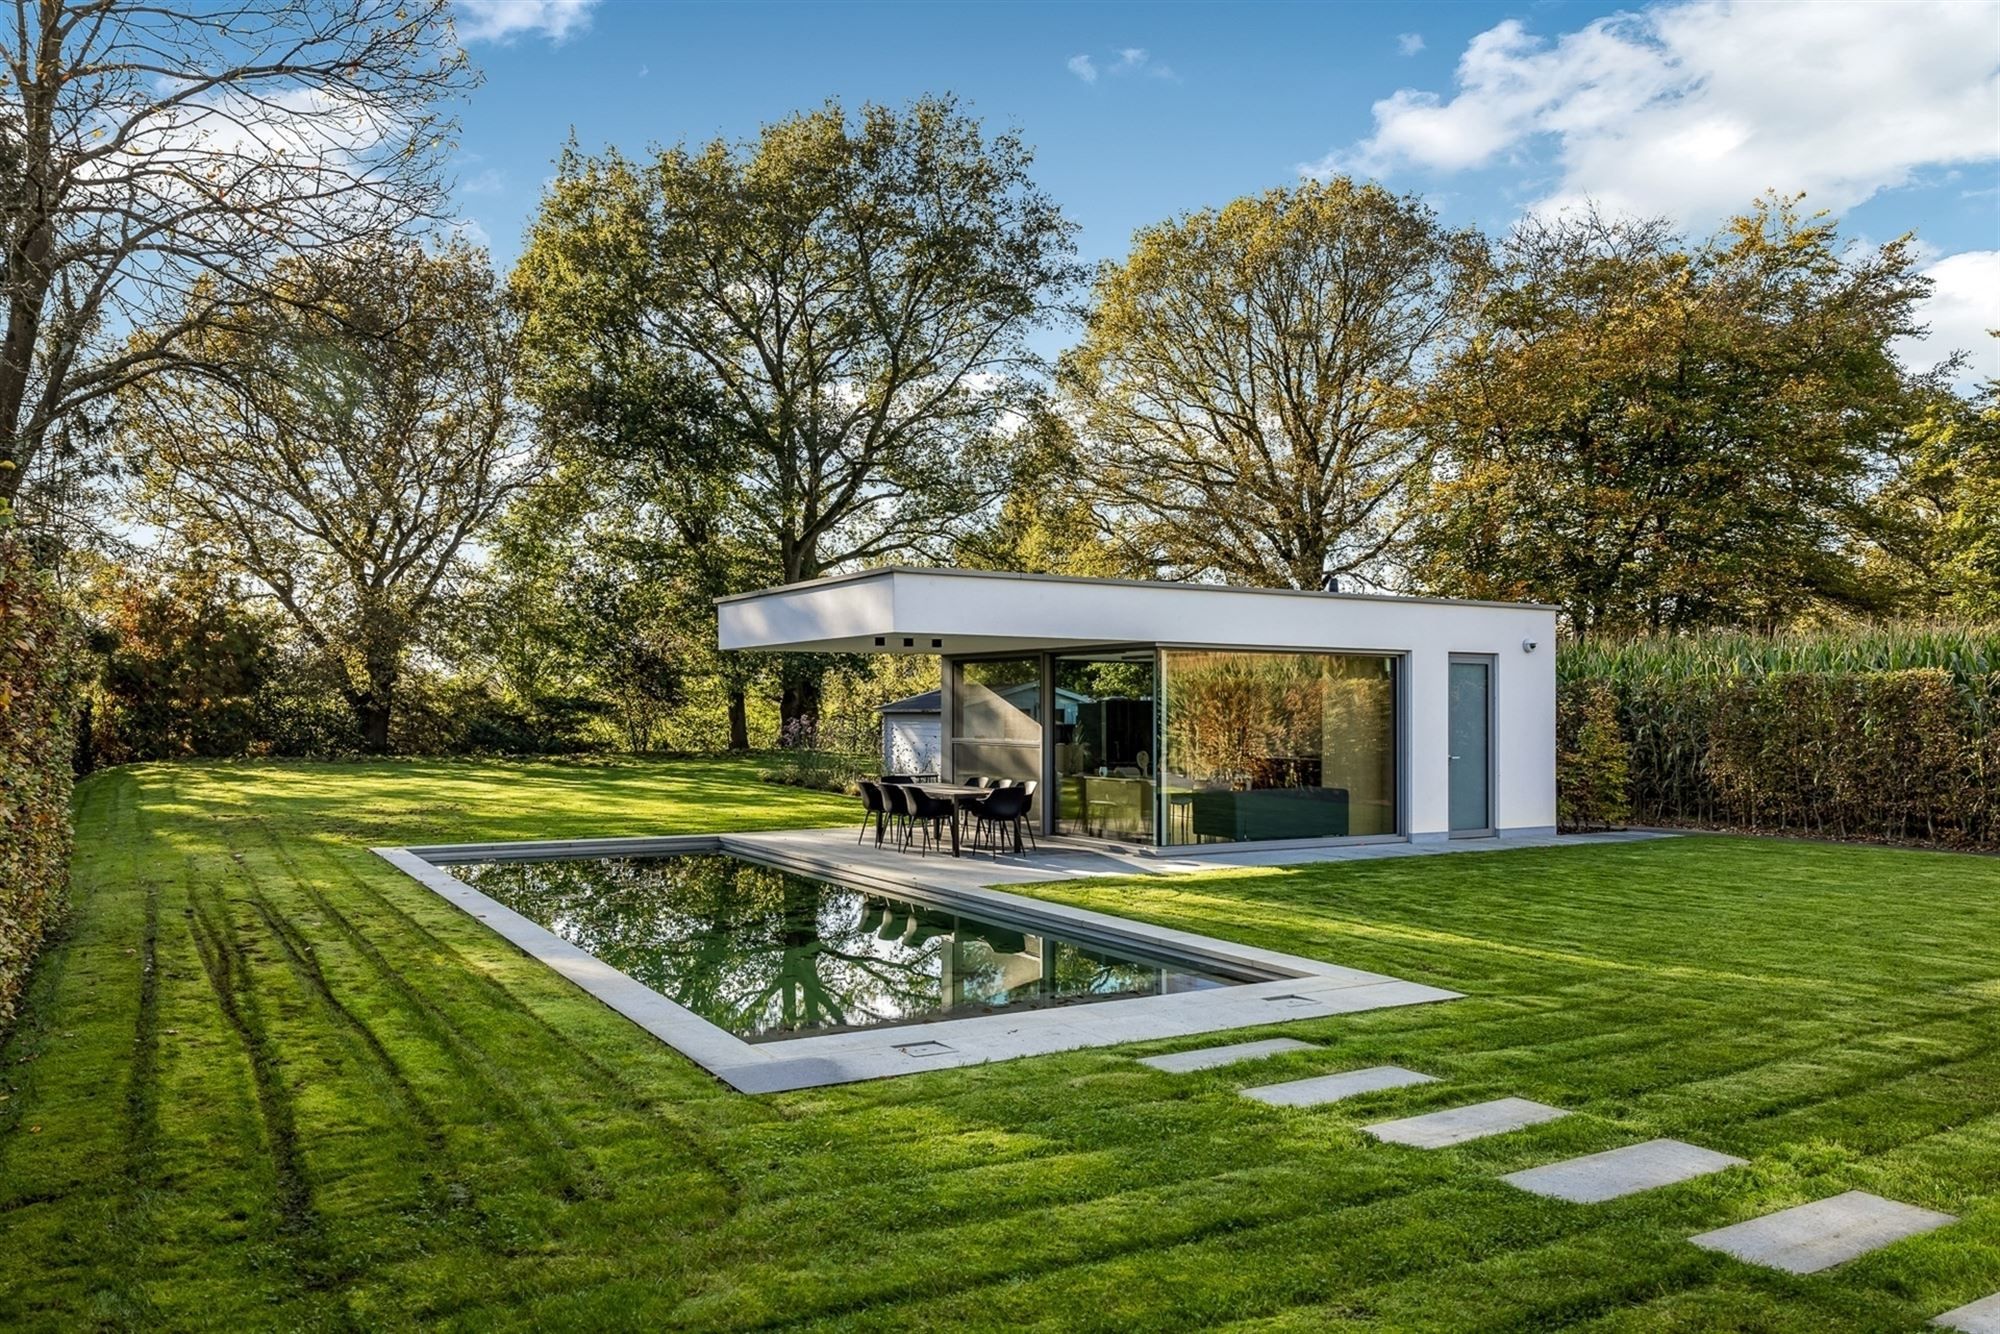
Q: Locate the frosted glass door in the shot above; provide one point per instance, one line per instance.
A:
(1470, 728)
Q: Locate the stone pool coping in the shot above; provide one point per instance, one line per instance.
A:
(1300, 988)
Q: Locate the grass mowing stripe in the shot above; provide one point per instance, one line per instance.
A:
(570, 1172)
(1065, 1240)
(235, 996)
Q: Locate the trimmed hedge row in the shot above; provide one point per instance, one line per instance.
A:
(1836, 749)
(38, 659)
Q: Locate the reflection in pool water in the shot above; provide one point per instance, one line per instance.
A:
(767, 954)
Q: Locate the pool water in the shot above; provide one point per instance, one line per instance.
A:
(767, 954)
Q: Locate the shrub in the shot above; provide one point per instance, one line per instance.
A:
(183, 663)
(439, 715)
(1593, 771)
(39, 652)
(826, 754)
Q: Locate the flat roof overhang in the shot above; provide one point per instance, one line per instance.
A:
(902, 609)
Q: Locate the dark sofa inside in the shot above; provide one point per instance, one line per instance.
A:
(1279, 812)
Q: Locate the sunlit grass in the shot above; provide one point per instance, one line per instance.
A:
(334, 1100)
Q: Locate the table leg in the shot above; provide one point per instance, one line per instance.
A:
(954, 830)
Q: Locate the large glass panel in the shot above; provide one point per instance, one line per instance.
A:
(1277, 745)
(996, 723)
(1105, 744)
(1469, 726)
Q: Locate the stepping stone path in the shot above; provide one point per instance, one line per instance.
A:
(1802, 1240)
(1332, 1088)
(1980, 1317)
(1207, 1058)
(1456, 1125)
(1822, 1234)
(1596, 1177)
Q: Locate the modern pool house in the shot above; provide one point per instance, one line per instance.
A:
(1164, 715)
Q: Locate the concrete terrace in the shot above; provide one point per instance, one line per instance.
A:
(836, 854)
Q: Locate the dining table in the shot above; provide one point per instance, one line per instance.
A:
(959, 794)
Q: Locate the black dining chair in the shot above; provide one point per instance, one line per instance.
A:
(928, 814)
(1000, 810)
(873, 809)
(1028, 820)
(896, 801)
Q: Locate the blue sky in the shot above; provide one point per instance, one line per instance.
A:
(1888, 114)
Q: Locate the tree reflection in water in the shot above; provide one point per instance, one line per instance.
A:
(767, 954)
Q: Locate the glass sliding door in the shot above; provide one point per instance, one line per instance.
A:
(1271, 745)
(1105, 744)
(1470, 728)
(996, 719)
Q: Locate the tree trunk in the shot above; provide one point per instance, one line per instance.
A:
(84, 759)
(26, 259)
(372, 708)
(798, 701)
(739, 719)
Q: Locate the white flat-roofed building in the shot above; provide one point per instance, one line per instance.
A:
(1181, 714)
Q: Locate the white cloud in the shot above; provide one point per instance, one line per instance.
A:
(1691, 109)
(485, 181)
(469, 231)
(1409, 43)
(1127, 60)
(502, 20)
(1964, 304)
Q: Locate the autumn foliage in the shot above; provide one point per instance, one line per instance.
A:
(38, 655)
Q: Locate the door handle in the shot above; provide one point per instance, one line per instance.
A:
(1452, 757)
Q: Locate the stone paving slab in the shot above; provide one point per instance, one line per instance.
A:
(1207, 1058)
(1596, 1177)
(1332, 1088)
(1980, 1317)
(1816, 1236)
(1456, 1125)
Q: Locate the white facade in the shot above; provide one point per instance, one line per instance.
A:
(966, 614)
(911, 744)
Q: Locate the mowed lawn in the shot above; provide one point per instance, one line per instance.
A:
(267, 1081)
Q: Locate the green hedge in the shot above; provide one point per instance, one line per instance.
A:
(1889, 734)
(1593, 761)
(38, 657)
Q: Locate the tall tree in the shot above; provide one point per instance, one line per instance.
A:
(854, 294)
(1662, 436)
(1249, 373)
(594, 590)
(156, 155)
(341, 444)
(1047, 522)
(648, 466)
(1935, 522)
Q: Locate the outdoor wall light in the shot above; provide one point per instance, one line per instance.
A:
(1527, 646)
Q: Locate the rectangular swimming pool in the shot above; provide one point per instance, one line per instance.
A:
(769, 955)
(791, 959)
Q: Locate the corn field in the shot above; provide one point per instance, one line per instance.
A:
(1885, 732)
